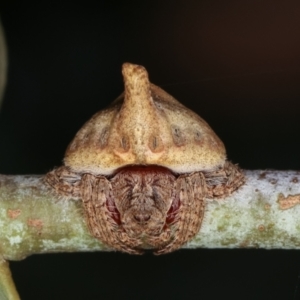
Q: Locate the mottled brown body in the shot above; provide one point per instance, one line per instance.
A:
(143, 168)
(144, 126)
(145, 207)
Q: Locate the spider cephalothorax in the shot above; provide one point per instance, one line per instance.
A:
(143, 168)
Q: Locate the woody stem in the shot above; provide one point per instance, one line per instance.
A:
(263, 213)
(33, 220)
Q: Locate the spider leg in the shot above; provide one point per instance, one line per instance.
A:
(120, 240)
(191, 190)
(64, 182)
(95, 192)
(162, 239)
(223, 182)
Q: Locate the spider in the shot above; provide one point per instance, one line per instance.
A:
(143, 168)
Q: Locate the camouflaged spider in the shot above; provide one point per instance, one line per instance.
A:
(143, 168)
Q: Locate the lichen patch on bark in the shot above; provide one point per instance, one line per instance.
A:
(13, 213)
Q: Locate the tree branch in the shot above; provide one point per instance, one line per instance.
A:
(263, 213)
(33, 220)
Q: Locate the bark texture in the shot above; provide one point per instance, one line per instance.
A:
(263, 213)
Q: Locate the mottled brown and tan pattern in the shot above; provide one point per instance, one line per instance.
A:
(145, 126)
(224, 181)
(145, 207)
(143, 168)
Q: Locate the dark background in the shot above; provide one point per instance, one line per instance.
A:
(236, 63)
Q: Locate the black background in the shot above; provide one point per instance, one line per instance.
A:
(236, 63)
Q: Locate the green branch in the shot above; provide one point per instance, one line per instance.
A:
(263, 213)
(33, 220)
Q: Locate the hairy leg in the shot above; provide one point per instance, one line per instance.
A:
(96, 193)
(224, 181)
(191, 190)
(64, 182)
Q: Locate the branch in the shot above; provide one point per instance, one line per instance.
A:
(33, 220)
(263, 213)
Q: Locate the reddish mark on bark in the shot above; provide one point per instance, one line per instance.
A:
(295, 180)
(37, 223)
(262, 175)
(13, 213)
(261, 227)
(289, 201)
